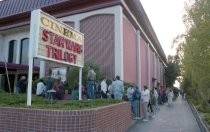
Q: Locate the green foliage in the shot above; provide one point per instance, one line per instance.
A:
(194, 52)
(73, 74)
(1, 90)
(203, 107)
(207, 118)
(171, 73)
(19, 100)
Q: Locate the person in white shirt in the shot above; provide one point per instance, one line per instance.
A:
(170, 97)
(104, 89)
(145, 96)
(40, 88)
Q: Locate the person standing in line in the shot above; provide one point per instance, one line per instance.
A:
(40, 88)
(104, 89)
(130, 91)
(136, 97)
(109, 87)
(153, 102)
(170, 97)
(156, 97)
(145, 96)
(91, 79)
(97, 90)
(118, 88)
(112, 89)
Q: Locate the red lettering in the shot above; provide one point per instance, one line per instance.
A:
(80, 49)
(57, 40)
(62, 41)
(51, 37)
(70, 57)
(55, 54)
(69, 44)
(49, 50)
(74, 58)
(44, 35)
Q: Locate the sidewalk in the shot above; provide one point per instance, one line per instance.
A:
(178, 118)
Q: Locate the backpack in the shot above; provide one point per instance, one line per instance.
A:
(153, 99)
(136, 95)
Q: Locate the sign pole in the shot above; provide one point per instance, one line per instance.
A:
(80, 83)
(32, 41)
(30, 73)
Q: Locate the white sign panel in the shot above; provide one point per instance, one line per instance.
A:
(56, 41)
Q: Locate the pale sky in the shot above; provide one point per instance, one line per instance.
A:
(166, 19)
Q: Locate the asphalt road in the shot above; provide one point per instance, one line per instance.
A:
(178, 118)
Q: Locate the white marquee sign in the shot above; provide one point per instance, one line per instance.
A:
(51, 39)
(57, 41)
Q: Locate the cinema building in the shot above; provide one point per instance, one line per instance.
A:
(118, 37)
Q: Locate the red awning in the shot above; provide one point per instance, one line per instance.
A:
(13, 66)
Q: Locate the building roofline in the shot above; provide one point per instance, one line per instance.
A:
(70, 7)
(145, 26)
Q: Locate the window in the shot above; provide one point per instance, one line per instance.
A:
(36, 62)
(12, 54)
(59, 72)
(24, 51)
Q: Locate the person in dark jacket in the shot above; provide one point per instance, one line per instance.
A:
(136, 102)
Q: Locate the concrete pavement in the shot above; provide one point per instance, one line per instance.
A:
(178, 118)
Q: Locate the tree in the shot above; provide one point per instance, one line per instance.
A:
(171, 71)
(73, 74)
(194, 52)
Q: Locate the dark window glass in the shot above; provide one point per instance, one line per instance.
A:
(12, 51)
(24, 51)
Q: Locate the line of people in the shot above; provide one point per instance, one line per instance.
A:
(149, 101)
(109, 89)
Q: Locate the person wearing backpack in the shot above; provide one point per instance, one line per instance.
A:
(136, 102)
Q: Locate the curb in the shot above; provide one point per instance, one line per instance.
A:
(201, 125)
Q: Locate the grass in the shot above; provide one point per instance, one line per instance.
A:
(19, 101)
(203, 108)
(207, 117)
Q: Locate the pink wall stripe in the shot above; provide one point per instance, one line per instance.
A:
(144, 67)
(129, 52)
(99, 41)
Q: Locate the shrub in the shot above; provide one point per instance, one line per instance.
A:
(207, 118)
(19, 100)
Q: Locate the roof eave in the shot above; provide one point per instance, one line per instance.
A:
(138, 11)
